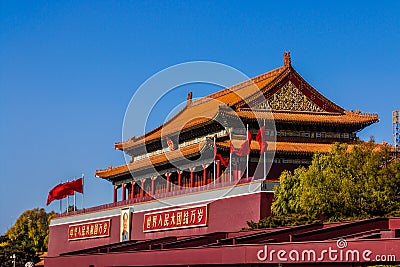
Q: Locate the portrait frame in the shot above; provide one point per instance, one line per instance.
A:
(125, 225)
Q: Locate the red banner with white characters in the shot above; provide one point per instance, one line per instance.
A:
(89, 230)
(175, 219)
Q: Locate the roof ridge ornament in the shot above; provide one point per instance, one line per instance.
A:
(189, 98)
(286, 59)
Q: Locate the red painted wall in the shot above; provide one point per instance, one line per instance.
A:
(58, 238)
(224, 215)
(244, 255)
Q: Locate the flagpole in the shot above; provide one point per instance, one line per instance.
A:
(83, 191)
(248, 155)
(215, 148)
(265, 164)
(74, 196)
(230, 156)
(61, 201)
(67, 199)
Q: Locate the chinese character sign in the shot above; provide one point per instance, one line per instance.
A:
(89, 230)
(175, 219)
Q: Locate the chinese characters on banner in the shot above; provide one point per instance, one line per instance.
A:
(89, 230)
(174, 219)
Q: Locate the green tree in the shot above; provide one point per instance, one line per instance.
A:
(350, 182)
(27, 237)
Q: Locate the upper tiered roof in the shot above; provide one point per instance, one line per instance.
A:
(271, 85)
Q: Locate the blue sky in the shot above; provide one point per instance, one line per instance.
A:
(69, 68)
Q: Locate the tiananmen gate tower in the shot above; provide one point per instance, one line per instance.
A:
(193, 183)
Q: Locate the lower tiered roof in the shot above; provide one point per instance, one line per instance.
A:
(279, 147)
(155, 160)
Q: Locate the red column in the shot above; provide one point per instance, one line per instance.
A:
(218, 169)
(179, 179)
(168, 175)
(238, 172)
(204, 174)
(152, 185)
(235, 175)
(123, 192)
(191, 177)
(132, 190)
(142, 188)
(115, 193)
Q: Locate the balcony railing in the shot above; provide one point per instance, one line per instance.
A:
(147, 198)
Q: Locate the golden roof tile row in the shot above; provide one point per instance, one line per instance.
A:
(284, 147)
(152, 161)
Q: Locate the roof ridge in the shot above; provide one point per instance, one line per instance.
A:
(322, 97)
(154, 130)
(350, 112)
(238, 86)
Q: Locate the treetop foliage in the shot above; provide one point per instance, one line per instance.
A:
(26, 238)
(351, 182)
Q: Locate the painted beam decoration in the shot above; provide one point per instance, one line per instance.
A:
(176, 219)
(88, 230)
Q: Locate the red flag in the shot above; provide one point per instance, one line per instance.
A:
(219, 157)
(215, 149)
(223, 160)
(261, 140)
(244, 149)
(61, 191)
(76, 185)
